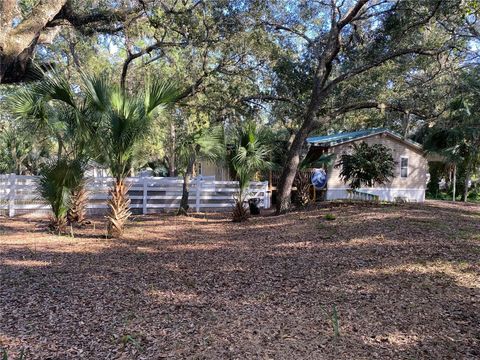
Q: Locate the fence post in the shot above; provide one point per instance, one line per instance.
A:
(198, 193)
(11, 195)
(145, 196)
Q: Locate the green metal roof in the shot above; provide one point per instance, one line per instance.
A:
(343, 136)
(339, 138)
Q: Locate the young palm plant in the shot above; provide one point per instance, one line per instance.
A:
(206, 142)
(55, 183)
(250, 155)
(50, 107)
(78, 194)
(123, 120)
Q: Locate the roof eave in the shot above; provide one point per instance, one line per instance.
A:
(387, 132)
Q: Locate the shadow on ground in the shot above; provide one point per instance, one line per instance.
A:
(404, 279)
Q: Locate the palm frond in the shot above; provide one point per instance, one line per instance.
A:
(250, 154)
(159, 93)
(212, 144)
(27, 103)
(98, 91)
(51, 186)
(56, 87)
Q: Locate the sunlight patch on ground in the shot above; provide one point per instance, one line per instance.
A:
(461, 272)
(403, 339)
(396, 338)
(147, 250)
(330, 242)
(188, 247)
(26, 263)
(83, 248)
(274, 225)
(371, 240)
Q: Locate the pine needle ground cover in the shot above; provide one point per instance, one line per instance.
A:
(378, 281)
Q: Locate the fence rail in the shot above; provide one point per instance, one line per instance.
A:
(19, 194)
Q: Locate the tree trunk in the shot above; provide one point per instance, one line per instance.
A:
(172, 171)
(60, 148)
(78, 205)
(317, 98)
(18, 168)
(454, 189)
(183, 209)
(17, 43)
(467, 180)
(16, 159)
(290, 168)
(119, 205)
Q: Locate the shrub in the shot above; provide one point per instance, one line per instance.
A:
(367, 165)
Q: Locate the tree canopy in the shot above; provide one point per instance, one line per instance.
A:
(302, 67)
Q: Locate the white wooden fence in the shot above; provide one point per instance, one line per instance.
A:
(19, 194)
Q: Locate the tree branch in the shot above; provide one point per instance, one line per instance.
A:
(28, 31)
(269, 98)
(372, 104)
(378, 62)
(108, 19)
(289, 29)
(350, 15)
(147, 50)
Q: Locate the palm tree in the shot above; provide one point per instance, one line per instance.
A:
(123, 120)
(45, 106)
(51, 107)
(250, 155)
(55, 183)
(456, 136)
(459, 146)
(78, 197)
(206, 142)
(18, 148)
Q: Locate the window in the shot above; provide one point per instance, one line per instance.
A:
(403, 167)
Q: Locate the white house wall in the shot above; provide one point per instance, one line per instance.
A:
(412, 188)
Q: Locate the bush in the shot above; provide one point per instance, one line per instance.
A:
(367, 165)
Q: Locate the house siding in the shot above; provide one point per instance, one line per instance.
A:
(411, 188)
(221, 173)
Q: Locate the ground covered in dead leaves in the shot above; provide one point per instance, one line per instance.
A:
(403, 279)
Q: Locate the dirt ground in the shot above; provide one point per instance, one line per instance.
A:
(401, 282)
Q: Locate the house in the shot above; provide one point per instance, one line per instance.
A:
(410, 175)
(206, 168)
